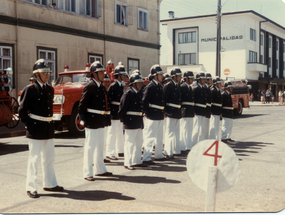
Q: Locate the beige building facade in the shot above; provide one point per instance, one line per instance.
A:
(76, 32)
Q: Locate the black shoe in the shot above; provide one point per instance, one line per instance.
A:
(184, 152)
(106, 161)
(230, 140)
(149, 162)
(140, 165)
(89, 178)
(112, 157)
(169, 157)
(161, 159)
(225, 141)
(54, 189)
(104, 174)
(33, 194)
(129, 167)
(121, 154)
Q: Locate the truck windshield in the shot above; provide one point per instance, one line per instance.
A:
(72, 79)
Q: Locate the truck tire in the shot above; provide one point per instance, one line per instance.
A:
(238, 111)
(74, 126)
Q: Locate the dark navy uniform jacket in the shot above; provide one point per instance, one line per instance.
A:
(216, 108)
(39, 102)
(227, 103)
(131, 101)
(115, 93)
(172, 95)
(187, 96)
(153, 95)
(208, 100)
(200, 99)
(94, 97)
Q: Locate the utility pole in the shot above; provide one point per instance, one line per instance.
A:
(218, 50)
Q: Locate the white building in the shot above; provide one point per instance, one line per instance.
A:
(252, 47)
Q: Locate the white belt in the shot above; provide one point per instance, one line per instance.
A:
(134, 113)
(40, 118)
(156, 106)
(216, 104)
(188, 103)
(200, 105)
(102, 112)
(228, 108)
(208, 104)
(115, 103)
(173, 105)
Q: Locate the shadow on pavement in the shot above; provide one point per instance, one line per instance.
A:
(71, 146)
(243, 116)
(9, 148)
(138, 179)
(66, 135)
(246, 148)
(90, 195)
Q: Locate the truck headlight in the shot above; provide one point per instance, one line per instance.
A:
(58, 99)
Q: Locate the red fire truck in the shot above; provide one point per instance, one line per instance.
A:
(240, 95)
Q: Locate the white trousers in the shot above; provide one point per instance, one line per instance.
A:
(206, 127)
(93, 152)
(198, 131)
(227, 127)
(214, 127)
(153, 136)
(45, 148)
(133, 147)
(115, 138)
(172, 136)
(186, 133)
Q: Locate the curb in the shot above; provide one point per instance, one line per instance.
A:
(13, 134)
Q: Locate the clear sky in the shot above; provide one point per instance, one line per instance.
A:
(272, 9)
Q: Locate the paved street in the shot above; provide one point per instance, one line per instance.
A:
(165, 187)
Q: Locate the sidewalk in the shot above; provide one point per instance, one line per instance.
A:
(19, 130)
(258, 103)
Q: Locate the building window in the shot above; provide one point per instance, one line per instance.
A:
(269, 62)
(5, 57)
(121, 13)
(276, 45)
(93, 8)
(252, 57)
(133, 64)
(252, 34)
(49, 55)
(277, 63)
(42, 2)
(261, 59)
(261, 40)
(269, 45)
(185, 59)
(142, 19)
(94, 57)
(187, 37)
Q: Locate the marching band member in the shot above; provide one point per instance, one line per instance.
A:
(199, 108)
(216, 108)
(187, 111)
(153, 106)
(227, 113)
(209, 82)
(36, 113)
(131, 114)
(94, 111)
(173, 114)
(115, 136)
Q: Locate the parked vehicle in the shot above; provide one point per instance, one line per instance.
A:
(8, 104)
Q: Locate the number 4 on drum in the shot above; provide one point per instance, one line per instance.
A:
(216, 156)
